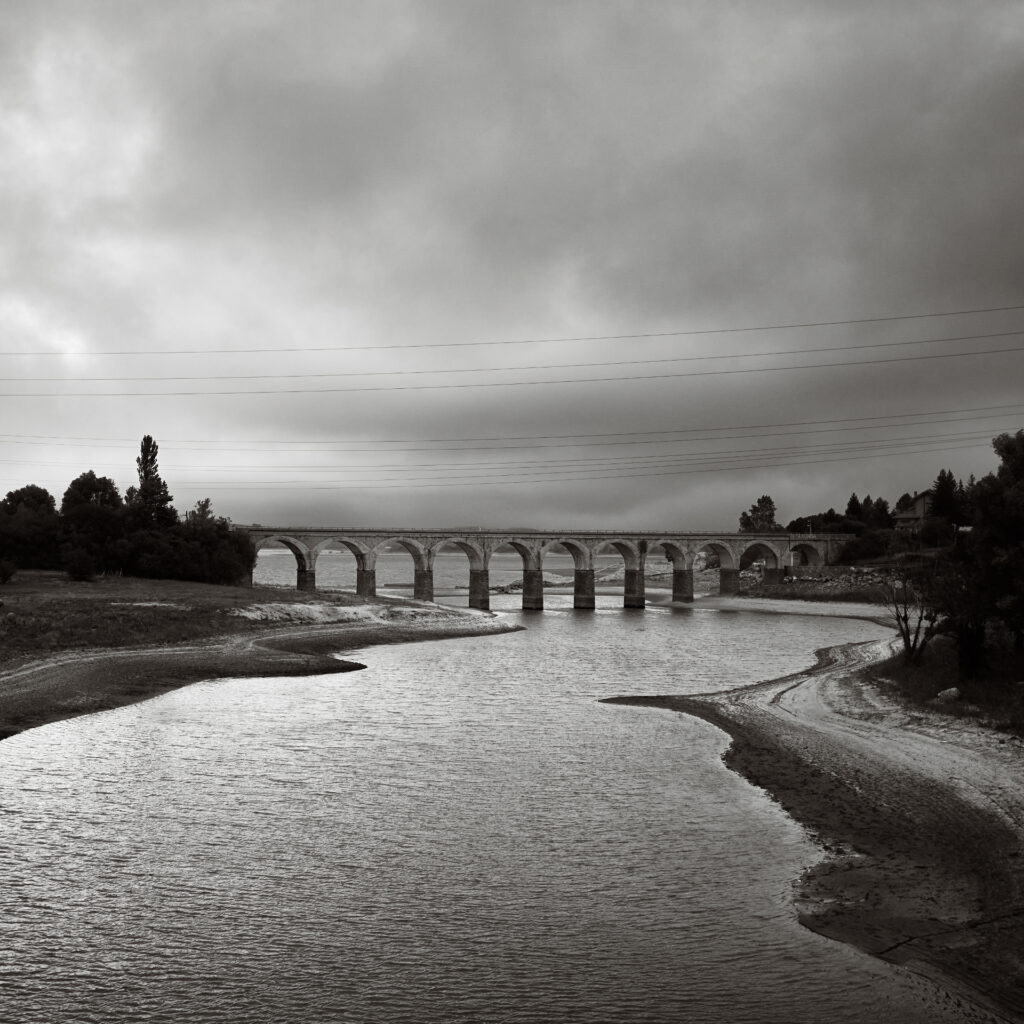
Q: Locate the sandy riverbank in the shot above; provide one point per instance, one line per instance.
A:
(77, 682)
(920, 816)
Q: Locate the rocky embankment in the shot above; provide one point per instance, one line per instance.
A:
(820, 583)
(804, 583)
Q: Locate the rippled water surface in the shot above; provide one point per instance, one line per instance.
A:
(460, 832)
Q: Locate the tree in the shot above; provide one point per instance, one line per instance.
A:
(760, 518)
(150, 502)
(31, 499)
(945, 504)
(906, 598)
(854, 510)
(881, 517)
(90, 489)
(94, 523)
(998, 534)
(29, 528)
(962, 596)
(201, 514)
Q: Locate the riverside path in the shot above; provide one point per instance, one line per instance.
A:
(776, 550)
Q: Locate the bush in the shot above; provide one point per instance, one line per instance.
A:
(7, 571)
(79, 564)
(870, 544)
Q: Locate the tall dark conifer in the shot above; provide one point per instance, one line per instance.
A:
(150, 502)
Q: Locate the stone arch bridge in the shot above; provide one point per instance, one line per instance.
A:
(778, 550)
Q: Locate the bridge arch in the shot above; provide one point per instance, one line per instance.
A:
(674, 551)
(726, 556)
(634, 557)
(305, 558)
(583, 568)
(582, 556)
(533, 573)
(728, 564)
(805, 554)
(479, 559)
(760, 549)
(422, 566)
(682, 567)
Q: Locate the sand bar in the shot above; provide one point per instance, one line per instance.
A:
(920, 816)
(71, 683)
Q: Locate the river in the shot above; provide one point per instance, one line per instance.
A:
(459, 832)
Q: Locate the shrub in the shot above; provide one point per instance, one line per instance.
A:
(79, 564)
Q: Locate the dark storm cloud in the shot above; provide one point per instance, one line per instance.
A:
(265, 175)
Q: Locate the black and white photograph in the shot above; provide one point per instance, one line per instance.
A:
(512, 511)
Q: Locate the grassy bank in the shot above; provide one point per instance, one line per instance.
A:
(43, 613)
(994, 699)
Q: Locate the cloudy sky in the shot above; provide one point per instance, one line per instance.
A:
(482, 262)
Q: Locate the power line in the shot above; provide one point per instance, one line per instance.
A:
(667, 458)
(574, 471)
(512, 383)
(575, 440)
(509, 369)
(486, 481)
(526, 341)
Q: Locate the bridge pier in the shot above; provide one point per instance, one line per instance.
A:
(730, 581)
(479, 589)
(366, 582)
(305, 579)
(423, 585)
(682, 585)
(635, 595)
(583, 589)
(533, 590)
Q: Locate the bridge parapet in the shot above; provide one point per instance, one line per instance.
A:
(777, 550)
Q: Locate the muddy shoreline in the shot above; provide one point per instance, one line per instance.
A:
(920, 820)
(71, 683)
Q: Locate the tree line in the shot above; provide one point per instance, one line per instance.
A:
(96, 530)
(961, 576)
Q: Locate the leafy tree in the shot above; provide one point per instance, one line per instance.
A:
(760, 518)
(29, 528)
(150, 502)
(202, 513)
(94, 522)
(30, 498)
(90, 489)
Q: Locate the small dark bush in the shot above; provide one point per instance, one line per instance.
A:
(79, 564)
(7, 571)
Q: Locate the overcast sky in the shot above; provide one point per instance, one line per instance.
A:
(329, 255)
